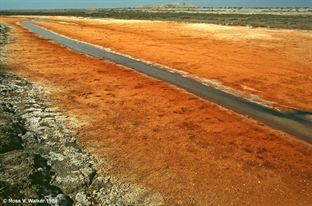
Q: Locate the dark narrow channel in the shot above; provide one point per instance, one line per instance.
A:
(293, 124)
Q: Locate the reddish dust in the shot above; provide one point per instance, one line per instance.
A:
(272, 64)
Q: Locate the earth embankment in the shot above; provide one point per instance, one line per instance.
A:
(40, 160)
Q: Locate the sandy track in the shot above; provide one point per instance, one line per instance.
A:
(188, 150)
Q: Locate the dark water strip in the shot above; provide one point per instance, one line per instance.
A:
(293, 124)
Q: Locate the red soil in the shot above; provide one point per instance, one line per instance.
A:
(147, 132)
(273, 64)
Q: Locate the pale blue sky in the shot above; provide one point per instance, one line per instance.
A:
(61, 4)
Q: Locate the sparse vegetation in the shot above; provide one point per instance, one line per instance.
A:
(261, 18)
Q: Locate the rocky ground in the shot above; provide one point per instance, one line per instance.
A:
(39, 158)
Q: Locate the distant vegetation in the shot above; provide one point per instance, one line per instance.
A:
(290, 18)
(166, 6)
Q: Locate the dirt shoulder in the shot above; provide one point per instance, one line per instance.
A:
(188, 150)
(40, 161)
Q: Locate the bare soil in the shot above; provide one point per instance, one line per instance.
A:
(189, 150)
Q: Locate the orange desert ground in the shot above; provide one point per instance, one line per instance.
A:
(147, 132)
